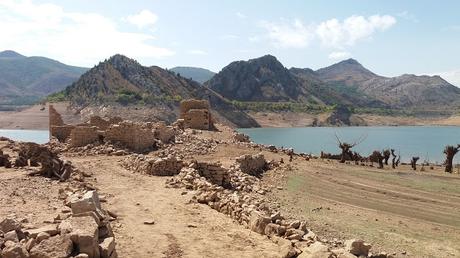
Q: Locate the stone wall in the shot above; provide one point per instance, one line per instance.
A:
(62, 132)
(214, 172)
(83, 135)
(252, 164)
(55, 119)
(196, 114)
(168, 166)
(164, 133)
(135, 136)
(103, 124)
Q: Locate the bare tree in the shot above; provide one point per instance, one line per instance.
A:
(386, 156)
(377, 156)
(413, 162)
(450, 152)
(393, 160)
(347, 154)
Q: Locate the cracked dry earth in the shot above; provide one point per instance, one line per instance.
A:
(181, 228)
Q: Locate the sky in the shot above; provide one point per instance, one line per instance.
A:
(388, 37)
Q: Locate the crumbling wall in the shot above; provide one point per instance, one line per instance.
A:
(164, 133)
(103, 124)
(62, 133)
(214, 172)
(137, 137)
(196, 114)
(168, 166)
(83, 135)
(252, 164)
(55, 120)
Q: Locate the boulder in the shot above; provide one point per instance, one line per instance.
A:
(107, 247)
(14, 250)
(89, 202)
(316, 250)
(49, 229)
(258, 222)
(53, 247)
(9, 224)
(357, 247)
(11, 236)
(84, 233)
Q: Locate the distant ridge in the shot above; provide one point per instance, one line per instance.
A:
(25, 80)
(200, 75)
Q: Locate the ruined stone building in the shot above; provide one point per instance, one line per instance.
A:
(196, 114)
(138, 137)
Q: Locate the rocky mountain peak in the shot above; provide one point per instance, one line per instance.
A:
(10, 54)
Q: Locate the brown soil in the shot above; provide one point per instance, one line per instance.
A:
(413, 214)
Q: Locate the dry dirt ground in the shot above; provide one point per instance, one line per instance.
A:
(410, 214)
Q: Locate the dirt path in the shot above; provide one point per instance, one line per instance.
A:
(181, 229)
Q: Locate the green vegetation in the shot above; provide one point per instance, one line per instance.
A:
(57, 97)
(281, 106)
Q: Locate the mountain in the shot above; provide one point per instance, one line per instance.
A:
(398, 92)
(200, 75)
(121, 81)
(27, 79)
(260, 79)
(265, 79)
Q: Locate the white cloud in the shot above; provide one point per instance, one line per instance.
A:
(334, 33)
(240, 15)
(331, 33)
(339, 55)
(452, 76)
(197, 52)
(408, 16)
(143, 19)
(294, 34)
(71, 37)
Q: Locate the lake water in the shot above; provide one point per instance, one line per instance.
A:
(38, 136)
(427, 142)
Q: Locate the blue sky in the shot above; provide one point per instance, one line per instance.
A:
(388, 37)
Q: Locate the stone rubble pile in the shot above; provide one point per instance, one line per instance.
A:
(252, 164)
(82, 229)
(240, 137)
(168, 166)
(242, 198)
(188, 145)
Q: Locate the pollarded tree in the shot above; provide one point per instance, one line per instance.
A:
(450, 152)
(386, 156)
(347, 154)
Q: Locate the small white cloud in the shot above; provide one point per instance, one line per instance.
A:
(331, 33)
(339, 55)
(143, 19)
(229, 37)
(294, 34)
(334, 33)
(452, 76)
(197, 52)
(240, 15)
(408, 16)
